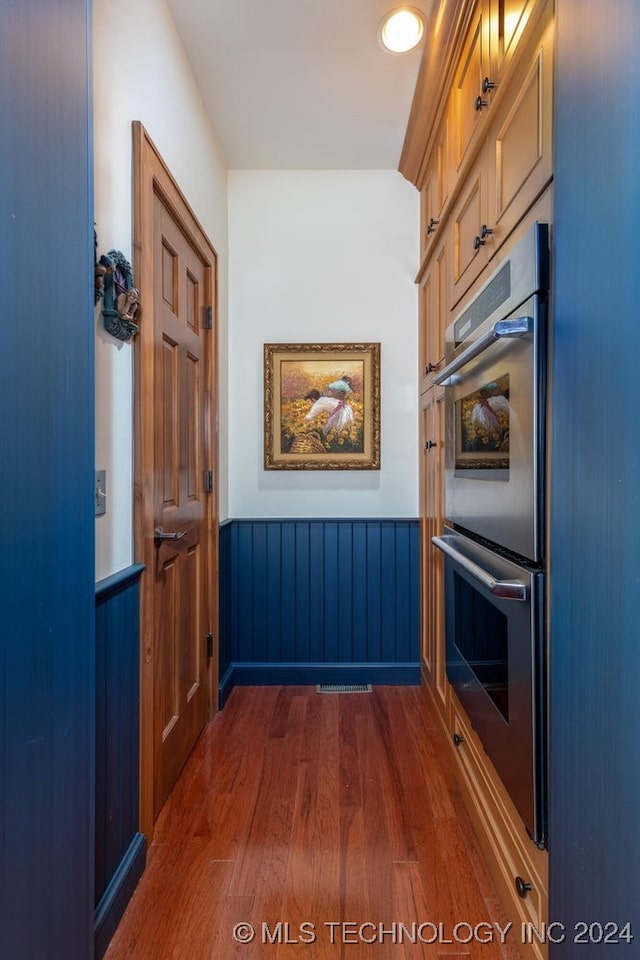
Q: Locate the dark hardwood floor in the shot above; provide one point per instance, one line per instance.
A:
(326, 822)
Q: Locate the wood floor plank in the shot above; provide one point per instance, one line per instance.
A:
(331, 823)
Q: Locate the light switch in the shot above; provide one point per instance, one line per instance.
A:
(101, 492)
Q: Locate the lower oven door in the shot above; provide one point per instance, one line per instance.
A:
(493, 622)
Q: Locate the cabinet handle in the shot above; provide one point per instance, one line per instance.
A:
(480, 103)
(432, 225)
(429, 444)
(457, 739)
(522, 887)
(488, 85)
(430, 368)
(479, 241)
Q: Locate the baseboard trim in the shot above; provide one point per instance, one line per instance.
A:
(225, 686)
(117, 895)
(288, 674)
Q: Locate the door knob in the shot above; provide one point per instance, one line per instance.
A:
(159, 534)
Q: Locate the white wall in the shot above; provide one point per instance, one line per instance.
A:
(141, 73)
(323, 256)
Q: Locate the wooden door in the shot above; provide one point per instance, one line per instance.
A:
(175, 454)
(181, 564)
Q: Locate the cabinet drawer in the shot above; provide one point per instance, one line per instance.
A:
(511, 853)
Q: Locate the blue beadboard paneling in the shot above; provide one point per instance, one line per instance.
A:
(318, 601)
(120, 848)
(225, 597)
(47, 665)
(594, 731)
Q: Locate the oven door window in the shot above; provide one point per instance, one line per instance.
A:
(481, 636)
(482, 424)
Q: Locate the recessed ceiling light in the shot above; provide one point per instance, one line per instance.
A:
(401, 30)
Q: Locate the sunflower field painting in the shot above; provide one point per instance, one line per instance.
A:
(483, 427)
(322, 406)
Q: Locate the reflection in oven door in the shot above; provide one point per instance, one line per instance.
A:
(495, 663)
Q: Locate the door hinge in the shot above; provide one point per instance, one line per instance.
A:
(209, 646)
(208, 318)
(208, 481)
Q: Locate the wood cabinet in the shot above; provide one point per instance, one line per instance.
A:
(514, 163)
(470, 240)
(484, 176)
(468, 99)
(434, 310)
(435, 192)
(519, 149)
(520, 868)
(508, 20)
(432, 507)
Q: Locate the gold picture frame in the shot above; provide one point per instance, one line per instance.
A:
(322, 406)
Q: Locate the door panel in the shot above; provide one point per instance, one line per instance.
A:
(180, 503)
(175, 468)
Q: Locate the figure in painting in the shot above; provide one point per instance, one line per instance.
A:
(340, 414)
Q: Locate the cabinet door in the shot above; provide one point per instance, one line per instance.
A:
(435, 295)
(435, 191)
(467, 109)
(508, 19)
(520, 141)
(432, 508)
(470, 246)
(426, 320)
(428, 436)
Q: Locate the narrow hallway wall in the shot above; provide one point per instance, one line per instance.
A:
(141, 73)
(323, 256)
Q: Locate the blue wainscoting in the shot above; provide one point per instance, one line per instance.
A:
(319, 601)
(120, 848)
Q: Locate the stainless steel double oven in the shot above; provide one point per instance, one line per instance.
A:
(494, 541)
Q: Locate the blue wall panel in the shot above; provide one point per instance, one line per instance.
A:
(120, 848)
(319, 601)
(594, 810)
(227, 601)
(47, 666)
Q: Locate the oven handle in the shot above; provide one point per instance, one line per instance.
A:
(503, 328)
(505, 589)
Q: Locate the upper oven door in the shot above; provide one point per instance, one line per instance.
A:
(494, 435)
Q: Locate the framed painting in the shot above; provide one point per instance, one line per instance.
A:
(322, 406)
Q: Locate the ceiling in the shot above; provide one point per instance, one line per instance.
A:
(300, 84)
